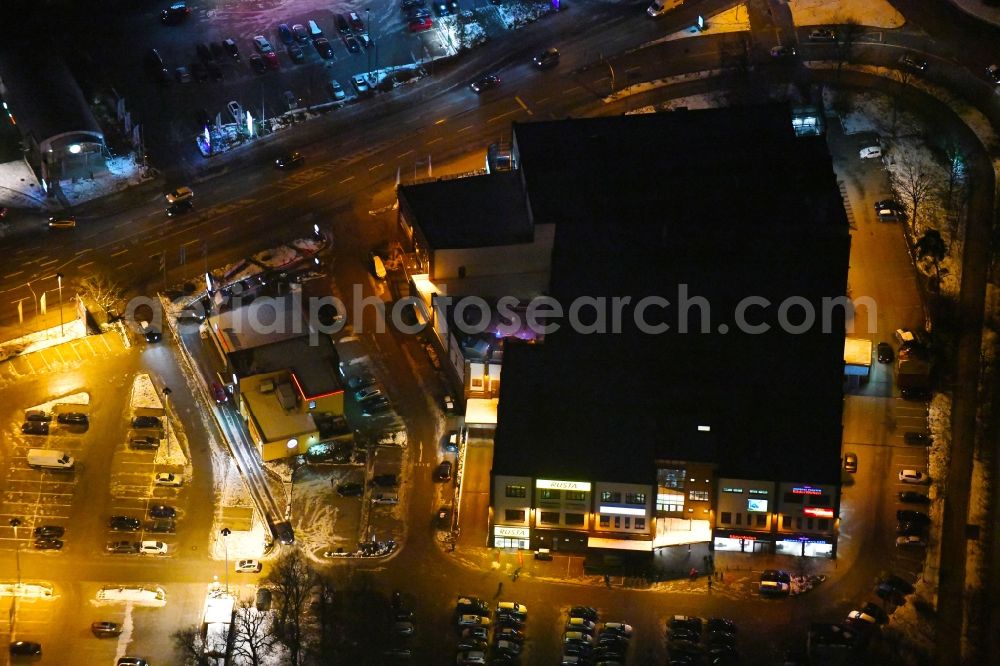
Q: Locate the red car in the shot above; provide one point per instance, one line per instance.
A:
(220, 393)
(271, 58)
(421, 24)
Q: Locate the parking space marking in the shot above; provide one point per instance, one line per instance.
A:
(316, 193)
(372, 168)
(523, 105)
(349, 178)
(503, 115)
(124, 265)
(440, 138)
(399, 157)
(89, 263)
(466, 128)
(120, 252)
(220, 231)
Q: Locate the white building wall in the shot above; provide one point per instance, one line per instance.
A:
(624, 508)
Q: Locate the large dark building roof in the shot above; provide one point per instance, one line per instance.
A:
(481, 211)
(727, 204)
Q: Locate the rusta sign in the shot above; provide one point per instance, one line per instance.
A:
(549, 484)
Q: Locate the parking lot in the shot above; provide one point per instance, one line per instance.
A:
(62, 357)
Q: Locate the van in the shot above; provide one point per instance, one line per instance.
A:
(661, 7)
(314, 30)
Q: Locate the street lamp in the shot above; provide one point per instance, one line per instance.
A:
(15, 523)
(59, 276)
(225, 532)
(166, 416)
(34, 297)
(368, 24)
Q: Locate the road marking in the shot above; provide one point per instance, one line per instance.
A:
(435, 140)
(50, 261)
(122, 224)
(372, 168)
(119, 253)
(13, 274)
(220, 231)
(84, 251)
(575, 88)
(467, 127)
(316, 193)
(409, 152)
(124, 265)
(523, 105)
(191, 242)
(441, 122)
(349, 178)
(539, 101)
(503, 115)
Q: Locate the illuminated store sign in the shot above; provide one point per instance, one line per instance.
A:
(548, 484)
(511, 532)
(806, 490)
(757, 505)
(818, 512)
(613, 510)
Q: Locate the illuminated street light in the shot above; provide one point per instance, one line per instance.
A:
(15, 523)
(59, 276)
(75, 149)
(225, 532)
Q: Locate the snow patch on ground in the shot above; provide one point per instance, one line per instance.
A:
(734, 19)
(276, 257)
(82, 398)
(19, 188)
(123, 172)
(231, 491)
(144, 394)
(43, 339)
(521, 12)
(877, 13)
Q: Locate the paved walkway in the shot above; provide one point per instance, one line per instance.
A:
(980, 10)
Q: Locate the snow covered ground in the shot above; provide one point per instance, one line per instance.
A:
(877, 13)
(19, 188)
(82, 398)
(44, 339)
(144, 394)
(734, 19)
(123, 172)
(522, 12)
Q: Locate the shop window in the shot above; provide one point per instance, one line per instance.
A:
(550, 517)
(819, 500)
(669, 502)
(798, 523)
(576, 496)
(513, 516)
(792, 498)
(635, 498)
(698, 495)
(726, 517)
(739, 519)
(575, 519)
(809, 523)
(761, 520)
(823, 524)
(610, 496)
(517, 491)
(640, 523)
(549, 494)
(786, 522)
(605, 521)
(670, 478)
(618, 522)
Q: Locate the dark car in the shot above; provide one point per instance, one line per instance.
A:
(48, 543)
(823, 35)
(25, 649)
(915, 517)
(350, 489)
(783, 51)
(385, 480)
(35, 427)
(285, 33)
(876, 612)
(257, 64)
(296, 53)
(45, 531)
(147, 330)
(37, 415)
(914, 63)
(161, 526)
(124, 524)
(485, 82)
(145, 443)
(469, 605)
(162, 511)
(915, 393)
(217, 50)
(180, 208)
(175, 14)
(122, 547)
(285, 533)
(146, 422)
(547, 58)
(685, 622)
(407, 5)
(343, 25)
(993, 71)
(231, 48)
(586, 612)
(131, 661)
(913, 497)
(290, 160)
(357, 25)
(300, 33)
(443, 471)
(894, 589)
(885, 353)
(322, 45)
(721, 624)
(353, 45)
(684, 634)
(375, 405)
(917, 438)
(204, 52)
(73, 418)
(105, 629)
(219, 393)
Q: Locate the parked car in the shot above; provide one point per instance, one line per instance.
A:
(336, 90)
(26, 648)
(300, 33)
(888, 210)
(48, 543)
(144, 443)
(915, 393)
(775, 582)
(911, 516)
(353, 45)
(917, 438)
(376, 405)
(161, 526)
(993, 72)
(122, 547)
(485, 82)
(153, 548)
(911, 540)
(248, 566)
(350, 489)
(547, 58)
(231, 48)
(257, 64)
(513, 608)
(586, 612)
(146, 422)
(913, 497)
(385, 481)
(361, 381)
(322, 46)
(175, 14)
(147, 330)
(367, 393)
(342, 24)
(913, 62)
(219, 393)
(823, 35)
(360, 84)
(443, 471)
(124, 523)
(44, 531)
(105, 629)
(471, 605)
(37, 415)
(851, 462)
(913, 476)
(870, 153)
(285, 33)
(783, 51)
(62, 222)
(162, 511)
(35, 427)
(885, 353)
(470, 620)
(296, 53)
(720, 624)
(421, 24)
(357, 25)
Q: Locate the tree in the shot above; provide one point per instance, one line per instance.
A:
(847, 35)
(914, 185)
(931, 245)
(294, 582)
(254, 639)
(103, 291)
(188, 643)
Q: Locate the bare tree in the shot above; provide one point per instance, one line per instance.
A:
(254, 638)
(848, 34)
(190, 646)
(931, 245)
(103, 291)
(295, 582)
(915, 186)
(903, 77)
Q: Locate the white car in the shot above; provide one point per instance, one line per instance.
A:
(470, 657)
(168, 479)
(248, 566)
(262, 44)
(910, 542)
(236, 111)
(619, 628)
(180, 194)
(861, 616)
(337, 91)
(153, 548)
(871, 153)
(912, 476)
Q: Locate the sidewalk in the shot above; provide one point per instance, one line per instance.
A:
(980, 10)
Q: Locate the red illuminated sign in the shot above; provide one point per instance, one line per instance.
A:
(806, 490)
(818, 512)
(743, 537)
